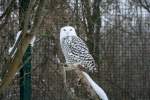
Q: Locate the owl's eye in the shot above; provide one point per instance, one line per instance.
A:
(64, 29)
(70, 29)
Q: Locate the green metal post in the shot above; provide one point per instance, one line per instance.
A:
(25, 76)
(25, 72)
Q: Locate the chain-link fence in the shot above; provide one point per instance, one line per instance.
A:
(120, 46)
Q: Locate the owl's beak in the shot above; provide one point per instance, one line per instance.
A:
(67, 33)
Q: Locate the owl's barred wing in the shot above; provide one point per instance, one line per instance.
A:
(78, 46)
(76, 51)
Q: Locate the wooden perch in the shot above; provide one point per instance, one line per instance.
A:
(78, 84)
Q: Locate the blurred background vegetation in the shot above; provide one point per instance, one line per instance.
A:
(117, 33)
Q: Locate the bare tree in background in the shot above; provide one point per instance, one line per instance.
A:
(144, 3)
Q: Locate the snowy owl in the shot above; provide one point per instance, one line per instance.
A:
(75, 50)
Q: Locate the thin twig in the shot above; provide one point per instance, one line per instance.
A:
(8, 9)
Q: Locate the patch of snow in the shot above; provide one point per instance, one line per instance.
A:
(17, 73)
(11, 48)
(17, 36)
(32, 41)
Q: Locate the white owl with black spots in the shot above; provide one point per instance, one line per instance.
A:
(75, 50)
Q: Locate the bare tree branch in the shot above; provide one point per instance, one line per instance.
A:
(15, 65)
(145, 5)
(8, 9)
(6, 14)
(40, 13)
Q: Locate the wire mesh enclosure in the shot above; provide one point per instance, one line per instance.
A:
(117, 33)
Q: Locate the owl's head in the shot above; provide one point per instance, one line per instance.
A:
(67, 31)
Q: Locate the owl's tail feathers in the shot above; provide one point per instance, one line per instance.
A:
(100, 92)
